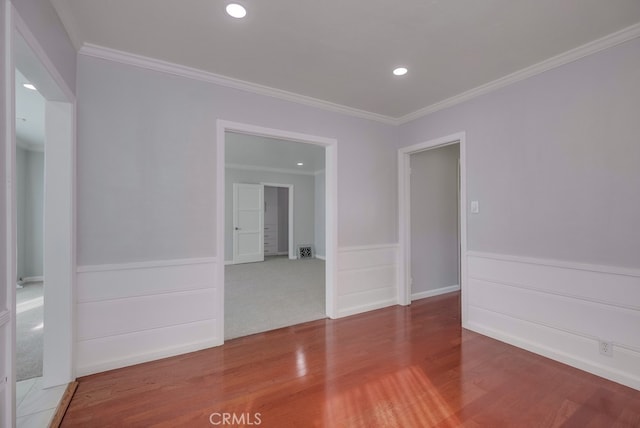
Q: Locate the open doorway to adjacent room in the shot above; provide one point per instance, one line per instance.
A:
(29, 173)
(274, 233)
(432, 191)
(40, 243)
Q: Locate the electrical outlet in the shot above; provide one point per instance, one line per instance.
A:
(606, 348)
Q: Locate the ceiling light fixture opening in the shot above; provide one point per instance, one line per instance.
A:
(29, 86)
(400, 71)
(236, 11)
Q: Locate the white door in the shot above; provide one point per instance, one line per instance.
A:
(248, 223)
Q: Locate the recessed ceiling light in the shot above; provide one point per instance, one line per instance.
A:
(299, 164)
(29, 86)
(235, 10)
(400, 71)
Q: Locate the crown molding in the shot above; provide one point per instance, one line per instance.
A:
(101, 52)
(267, 169)
(587, 49)
(590, 48)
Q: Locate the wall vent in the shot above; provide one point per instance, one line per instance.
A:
(305, 252)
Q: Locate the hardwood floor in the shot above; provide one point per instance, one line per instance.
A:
(396, 367)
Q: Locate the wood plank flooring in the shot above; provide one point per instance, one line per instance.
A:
(396, 367)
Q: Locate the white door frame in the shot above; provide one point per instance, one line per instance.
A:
(291, 250)
(59, 361)
(404, 215)
(331, 206)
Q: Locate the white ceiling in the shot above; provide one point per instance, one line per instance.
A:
(262, 152)
(342, 51)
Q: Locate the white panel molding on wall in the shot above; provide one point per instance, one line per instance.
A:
(137, 312)
(559, 309)
(367, 278)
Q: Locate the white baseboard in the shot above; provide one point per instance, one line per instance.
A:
(559, 309)
(321, 257)
(569, 358)
(354, 310)
(436, 292)
(228, 262)
(28, 279)
(88, 369)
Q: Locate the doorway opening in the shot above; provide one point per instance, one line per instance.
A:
(279, 202)
(432, 227)
(29, 173)
(28, 63)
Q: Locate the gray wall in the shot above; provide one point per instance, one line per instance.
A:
(146, 163)
(21, 210)
(303, 203)
(320, 214)
(29, 210)
(554, 161)
(434, 218)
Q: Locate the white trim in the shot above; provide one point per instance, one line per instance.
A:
(436, 292)
(354, 310)
(404, 217)
(8, 324)
(558, 263)
(228, 262)
(267, 169)
(331, 209)
(145, 265)
(291, 252)
(320, 257)
(587, 49)
(96, 51)
(28, 279)
(606, 372)
(367, 247)
(146, 357)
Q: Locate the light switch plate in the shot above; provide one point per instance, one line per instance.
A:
(475, 207)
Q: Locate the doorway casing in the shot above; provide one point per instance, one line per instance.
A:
(331, 211)
(404, 215)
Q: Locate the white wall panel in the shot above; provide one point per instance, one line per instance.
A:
(131, 313)
(367, 278)
(97, 283)
(560, 310)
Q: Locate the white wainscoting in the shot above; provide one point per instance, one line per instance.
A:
(137, 312)
(367, 278)
(560, 310)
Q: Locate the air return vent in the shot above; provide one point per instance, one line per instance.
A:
(305, 252)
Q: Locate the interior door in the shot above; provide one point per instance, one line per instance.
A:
(248, 223)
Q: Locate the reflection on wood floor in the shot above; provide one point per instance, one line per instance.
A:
(395, 367)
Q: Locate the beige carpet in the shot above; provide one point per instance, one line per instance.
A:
(275, 293)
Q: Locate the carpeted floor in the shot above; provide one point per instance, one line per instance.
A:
(275, 293)
(29, 330)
